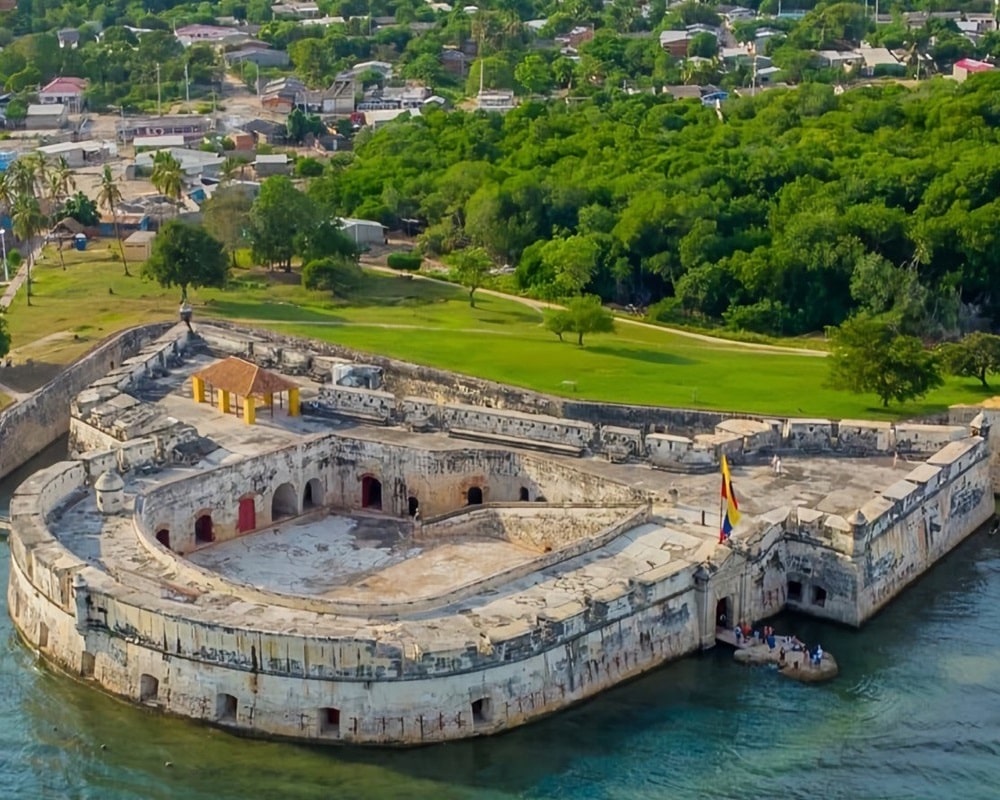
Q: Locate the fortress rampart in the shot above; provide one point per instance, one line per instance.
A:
(584, 571)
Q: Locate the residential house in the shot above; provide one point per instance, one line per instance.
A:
(576, 37)
(50, 116)
(736, 14)
(969, 66)
(676, 42)
(377, 118)
(296, 10)
(324, 22)
(500, 100)
(839, 59)
(206, 34)
(382, 67)
(762, 38)
(66, 90)
(879, 60)
(363, 232)
(267, 165)
(69, 38)
(77, 154)
(192, 127)
(393, 97)
(255, 52)
(194, 163)
(455, 61)
(683, 92)
(142, 143)
(265, 131)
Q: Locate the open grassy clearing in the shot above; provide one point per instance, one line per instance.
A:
(431, 323)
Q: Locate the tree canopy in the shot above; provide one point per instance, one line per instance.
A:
(796, 210)
(870, 355)
(185, 255)
(582, 315)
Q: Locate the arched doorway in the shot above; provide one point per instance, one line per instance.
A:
(285, 502)
(247, 515)
(163, 537)
(474, 497)
(203, 533)
(371, 492)
(312, 495)
(412, 506)
(524, 496)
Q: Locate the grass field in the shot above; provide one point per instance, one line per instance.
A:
(433, 324)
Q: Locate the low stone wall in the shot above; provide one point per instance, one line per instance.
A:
(37, 421)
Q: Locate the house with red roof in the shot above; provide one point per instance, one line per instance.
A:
(64, 90)
(969, 66)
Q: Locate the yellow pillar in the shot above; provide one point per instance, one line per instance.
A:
(249, 411)
(293, 402)
(198, 389)
(224, 406)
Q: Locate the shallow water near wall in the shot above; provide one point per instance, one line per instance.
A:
(915, 713)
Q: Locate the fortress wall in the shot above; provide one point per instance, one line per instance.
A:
(517, 424)
(439, 480)
(366, 403)
(906, 541)
(926, 439)
(28, 426)
(865, 436)
(282, 684)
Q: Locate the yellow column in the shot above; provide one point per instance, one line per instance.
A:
(249, 410)
(198, 389)
(293, 402)
(224, 405)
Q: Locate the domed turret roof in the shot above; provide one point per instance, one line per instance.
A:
(110, 482)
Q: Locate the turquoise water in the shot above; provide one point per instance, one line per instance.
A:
(915, 713)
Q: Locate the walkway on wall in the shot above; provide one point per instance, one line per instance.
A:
(727, 636)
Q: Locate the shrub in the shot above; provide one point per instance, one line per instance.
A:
(408, 261)
(334, 274)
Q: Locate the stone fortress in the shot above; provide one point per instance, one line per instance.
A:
(421, 556)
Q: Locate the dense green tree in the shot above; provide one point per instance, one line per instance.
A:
(225, 216)
(975, 355)
(472, 266)
(869, 355)
(82, 209)
(582, 315)
(278, 215)
(326, 239)
(186, 255)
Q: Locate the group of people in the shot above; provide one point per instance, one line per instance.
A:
(815, 657)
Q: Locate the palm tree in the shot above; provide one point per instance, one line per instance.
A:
(230, 167)
(168, 176)
(61, 183)
(28, 222)
(109, 196)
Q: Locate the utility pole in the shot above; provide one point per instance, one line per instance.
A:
(159, 112)
(187, 88)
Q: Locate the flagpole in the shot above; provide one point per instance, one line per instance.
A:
(722, 502)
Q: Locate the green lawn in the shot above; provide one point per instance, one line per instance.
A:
(433, 324)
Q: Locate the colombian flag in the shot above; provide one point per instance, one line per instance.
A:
(730, 509)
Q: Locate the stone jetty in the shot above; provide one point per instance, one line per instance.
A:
(794, 664)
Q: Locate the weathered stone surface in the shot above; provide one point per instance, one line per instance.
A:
(484, 585)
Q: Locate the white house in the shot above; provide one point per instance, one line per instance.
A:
(66, 91)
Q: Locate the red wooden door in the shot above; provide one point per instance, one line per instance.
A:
(248, 515)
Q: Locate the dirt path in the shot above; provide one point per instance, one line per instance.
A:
(541, 305)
